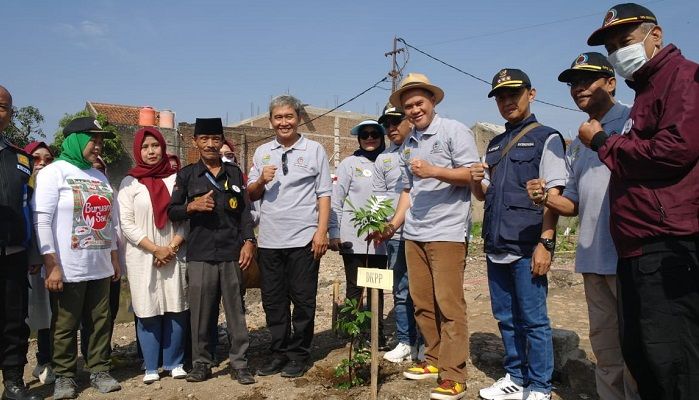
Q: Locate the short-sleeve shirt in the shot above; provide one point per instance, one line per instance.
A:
(289, 205)
(438, 210)
(588, 182)
(352, 190)
(387, 180)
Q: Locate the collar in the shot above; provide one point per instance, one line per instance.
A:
(200, 168)
(614, 113)
(431, 130)
(519, 125)
(392, 148)
(300, 144)
(643, 75)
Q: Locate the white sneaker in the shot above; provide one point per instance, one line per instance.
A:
(44, 373)
(417, 353)
(399, 354)
(505, 389)
(150, 377)
(538, 396)
(178, 373)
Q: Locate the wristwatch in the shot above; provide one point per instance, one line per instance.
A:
(251, 240)
(549, 244)
(174, 248)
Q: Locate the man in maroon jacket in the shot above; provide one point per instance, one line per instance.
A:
(654, 199)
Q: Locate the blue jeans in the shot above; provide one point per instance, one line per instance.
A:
(519, 305)
(403, 310)
(162, 333)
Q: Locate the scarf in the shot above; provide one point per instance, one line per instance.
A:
(151, 176)
(73, 147)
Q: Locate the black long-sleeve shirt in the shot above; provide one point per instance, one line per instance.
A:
(218, 235)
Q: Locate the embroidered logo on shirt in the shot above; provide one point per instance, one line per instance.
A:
(358, 172)
(233, 203)
(494, 148)
(525, 144)
(406, 153)
(366, 173)
(24, 169)
(23, 160)
(387, 164)
(436, 148)
(266, 159)
(300, 162)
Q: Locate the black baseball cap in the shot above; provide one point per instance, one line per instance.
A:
(591, 62)
(391, 111)
(87, 125)
(208, 126)
(509, 78)
(621, 14)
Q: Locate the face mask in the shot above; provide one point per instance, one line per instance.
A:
(627, 60)
(227, 160)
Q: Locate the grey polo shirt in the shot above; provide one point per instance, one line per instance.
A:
(588, 182)
(387, 179)
(438, 210)
(354, 183)
(289, 205)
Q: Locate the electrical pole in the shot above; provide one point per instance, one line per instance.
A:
(395, 73)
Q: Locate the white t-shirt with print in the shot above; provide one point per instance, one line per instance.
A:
(79, 206)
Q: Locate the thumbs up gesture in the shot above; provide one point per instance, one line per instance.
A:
(203, 203)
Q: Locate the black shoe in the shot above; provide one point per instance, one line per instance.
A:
(15, 389)
(243, 376)
(199, 373)
(273, 366)
(383, 343)
(295, 369)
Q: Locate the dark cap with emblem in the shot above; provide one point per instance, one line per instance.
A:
(621, 14)
(208, 126)
(587, 63)
(86, 125)
(391, 111)
(509, 78)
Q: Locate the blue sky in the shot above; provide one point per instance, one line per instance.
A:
(225, 58)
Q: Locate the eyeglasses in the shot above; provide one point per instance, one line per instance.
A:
(364, 135)
(584, 82)
(392, 121)
(46, 160)
(285, 168)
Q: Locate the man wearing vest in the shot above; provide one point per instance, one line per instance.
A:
(435, 159)
(654, 202)
(592, 87)
(519, 237)
(16, 243)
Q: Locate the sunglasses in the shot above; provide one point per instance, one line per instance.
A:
(367, 134)
(38, 159)
(584, 82)
(285, 167)
(395, 121)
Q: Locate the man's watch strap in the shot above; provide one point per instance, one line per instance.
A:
(549, 244)
(251, 240)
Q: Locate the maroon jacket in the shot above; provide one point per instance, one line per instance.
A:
(654, 186)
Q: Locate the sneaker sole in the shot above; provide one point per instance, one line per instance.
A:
(418, 377)
(439, 396)
(508, 396)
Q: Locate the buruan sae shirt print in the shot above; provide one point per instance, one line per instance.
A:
(92, 208)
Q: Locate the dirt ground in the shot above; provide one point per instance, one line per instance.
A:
(567, 309)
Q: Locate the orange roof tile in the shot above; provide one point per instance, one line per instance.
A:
(117, 113)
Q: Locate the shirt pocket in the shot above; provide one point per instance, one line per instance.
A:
(521, 219)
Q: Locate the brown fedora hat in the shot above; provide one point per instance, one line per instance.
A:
(416, 80)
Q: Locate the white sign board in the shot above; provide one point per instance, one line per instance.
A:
(375, 278)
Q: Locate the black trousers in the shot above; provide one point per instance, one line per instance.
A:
(289, 276)
(352, 291)
(14, 295)
(658, 295)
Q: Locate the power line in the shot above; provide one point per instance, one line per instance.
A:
(384, 79)
(474, 76)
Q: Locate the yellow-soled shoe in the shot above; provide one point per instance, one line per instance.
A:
(448, 390)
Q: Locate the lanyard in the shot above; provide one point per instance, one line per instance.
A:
(211, 179)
